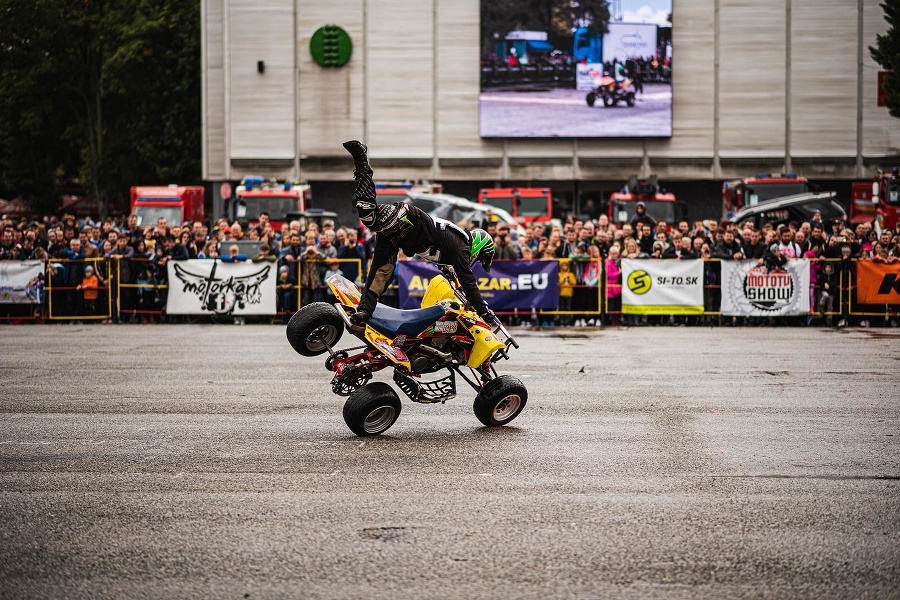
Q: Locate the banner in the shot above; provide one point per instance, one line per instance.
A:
(752, 291)
(202, 287)
(662, 287)
(877, 283)
(511, 284)
(19, 281)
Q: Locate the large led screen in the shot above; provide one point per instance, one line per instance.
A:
(576, 68)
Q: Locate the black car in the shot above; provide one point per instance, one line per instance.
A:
(797, 208)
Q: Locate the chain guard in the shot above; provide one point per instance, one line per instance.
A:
(350, 381)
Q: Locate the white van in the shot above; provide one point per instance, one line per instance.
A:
(460, 211)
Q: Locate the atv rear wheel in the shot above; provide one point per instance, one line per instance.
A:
(629, 99)
(314, 328)
(591, 98)
(500, 401)
(372, 409)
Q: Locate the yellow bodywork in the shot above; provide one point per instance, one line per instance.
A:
(486, 343)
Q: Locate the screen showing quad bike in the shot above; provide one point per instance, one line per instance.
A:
(557, 68)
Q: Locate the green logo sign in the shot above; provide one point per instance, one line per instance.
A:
(331, 46)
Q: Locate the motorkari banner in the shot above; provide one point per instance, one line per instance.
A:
(20, 281)
(662, 287)
(877, 283)
(749, 290)
(202, 287)
(511, 284)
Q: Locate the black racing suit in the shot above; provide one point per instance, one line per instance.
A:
(434, 240)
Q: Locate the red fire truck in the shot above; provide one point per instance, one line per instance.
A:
(526, 205)
(760, 187)
(279, 199)
(658, 203)
(175, 203)
(396, 191)
(877, 201)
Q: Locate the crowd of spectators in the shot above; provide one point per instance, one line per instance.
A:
(307, 253)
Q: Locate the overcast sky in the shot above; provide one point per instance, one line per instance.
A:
(645, 11)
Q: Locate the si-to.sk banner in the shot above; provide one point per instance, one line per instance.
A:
(662, 287)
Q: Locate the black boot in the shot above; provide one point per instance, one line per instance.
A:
(359, 152)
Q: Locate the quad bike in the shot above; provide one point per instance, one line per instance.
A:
(444, 334)
(611, 92)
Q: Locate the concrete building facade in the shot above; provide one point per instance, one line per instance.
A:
(767, 85)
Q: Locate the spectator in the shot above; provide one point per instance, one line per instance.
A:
(88, 288)
(310, 275)
(567, 283)
(641, 217)
(287, 292)
(264, 254)
(614, 286)
(505, 249)
(234, 255)
(354, 257)
(334, 268)
(728, 249)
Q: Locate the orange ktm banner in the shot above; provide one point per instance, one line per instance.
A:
(877, 283)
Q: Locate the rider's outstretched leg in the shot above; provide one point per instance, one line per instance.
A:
(362, 173)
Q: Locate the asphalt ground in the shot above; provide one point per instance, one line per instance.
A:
(186, 461)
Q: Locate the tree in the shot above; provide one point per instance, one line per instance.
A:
(559, 18)
(101, 92)
(886, 53)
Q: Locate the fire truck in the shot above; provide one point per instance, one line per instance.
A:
(877, 201)
(279, 199)
(526, 205)
(762, 186)
(389, 192)
(658, 203)
(174, 203)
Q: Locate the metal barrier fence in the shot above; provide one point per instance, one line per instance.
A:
(134, 292)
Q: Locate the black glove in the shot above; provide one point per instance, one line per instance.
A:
(491, 319)
(359, 318)
(365, 309)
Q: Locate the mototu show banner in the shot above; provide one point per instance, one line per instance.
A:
(511, 284)
(19, 281)
(752, 291)
(662, 287)
(203, 287)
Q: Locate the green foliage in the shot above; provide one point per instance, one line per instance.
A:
(886, 52)
(102, 93)
(558, 18)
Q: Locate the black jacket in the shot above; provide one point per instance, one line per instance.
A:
(438, 242)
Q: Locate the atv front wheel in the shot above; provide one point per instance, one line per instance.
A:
(314, 328)
(372, 409)
(500, 401)
(591, 98)
(629, 99)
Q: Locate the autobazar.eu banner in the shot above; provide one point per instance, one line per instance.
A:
(205, 287)
(749, 290)
(877, 283)
(511, 284)
(662, 287)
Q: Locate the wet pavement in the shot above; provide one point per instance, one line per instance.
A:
(661, 462)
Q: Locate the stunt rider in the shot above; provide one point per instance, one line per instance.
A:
(400, 226)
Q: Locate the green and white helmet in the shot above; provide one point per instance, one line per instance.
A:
(482, 248)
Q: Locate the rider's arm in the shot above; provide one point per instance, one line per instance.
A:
(381, 272)
(468, 282)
